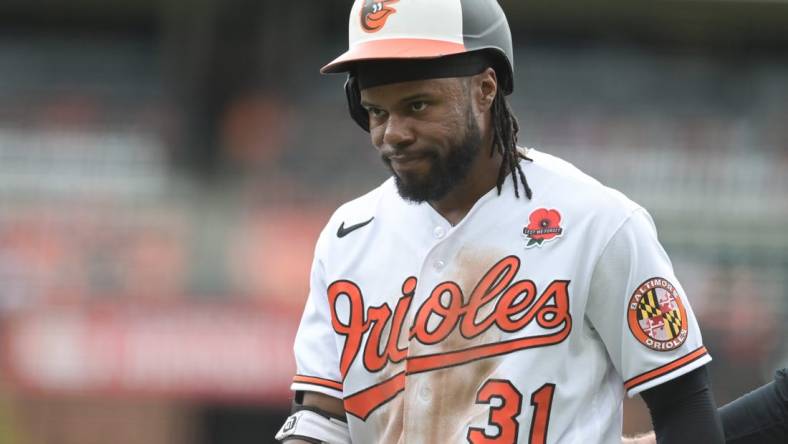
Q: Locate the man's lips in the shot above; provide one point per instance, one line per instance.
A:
(406, 159)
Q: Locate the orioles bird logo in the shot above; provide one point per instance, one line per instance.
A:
(374, 14)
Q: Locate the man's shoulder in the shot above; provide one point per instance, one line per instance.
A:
(367, 204)
(560, 180)
(356, 212)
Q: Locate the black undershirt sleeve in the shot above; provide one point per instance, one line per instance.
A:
(683, 410)
(759, 417)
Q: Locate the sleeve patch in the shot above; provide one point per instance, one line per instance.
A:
(656, 315)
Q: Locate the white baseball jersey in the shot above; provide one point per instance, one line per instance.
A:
(524, 323)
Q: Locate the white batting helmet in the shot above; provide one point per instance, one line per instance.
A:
(413, 29)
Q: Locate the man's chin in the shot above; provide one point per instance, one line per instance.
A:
(418, 191)
(417, 167)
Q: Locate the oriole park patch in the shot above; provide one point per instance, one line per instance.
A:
(657, 316)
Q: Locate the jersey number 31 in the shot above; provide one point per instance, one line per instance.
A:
(504, 415)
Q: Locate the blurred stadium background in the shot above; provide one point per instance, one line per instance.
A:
(165, 167)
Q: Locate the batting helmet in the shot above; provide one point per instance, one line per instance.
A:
(419, 29)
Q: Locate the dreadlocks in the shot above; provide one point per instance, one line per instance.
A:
(505, 129)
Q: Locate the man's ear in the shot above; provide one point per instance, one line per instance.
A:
(485, 88)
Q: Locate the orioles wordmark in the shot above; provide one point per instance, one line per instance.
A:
(517, 306)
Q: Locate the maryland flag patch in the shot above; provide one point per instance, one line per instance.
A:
(656, 315)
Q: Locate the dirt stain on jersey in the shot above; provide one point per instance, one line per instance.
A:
(454, 404)
(388, 419)
(390, 422)
(450, 393)
(438, 406)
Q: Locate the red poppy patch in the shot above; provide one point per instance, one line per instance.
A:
(543, 225)
(657, 316)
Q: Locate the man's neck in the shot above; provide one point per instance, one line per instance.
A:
(482, 177)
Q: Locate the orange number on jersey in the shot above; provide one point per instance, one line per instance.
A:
(542, 400)
(504, 416)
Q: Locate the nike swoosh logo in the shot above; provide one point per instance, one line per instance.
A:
(342, 231)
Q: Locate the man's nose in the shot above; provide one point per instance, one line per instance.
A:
(399, 132)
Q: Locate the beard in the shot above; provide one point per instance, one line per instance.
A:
(445, 173)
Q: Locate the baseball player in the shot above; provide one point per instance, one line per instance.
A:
(485, 293)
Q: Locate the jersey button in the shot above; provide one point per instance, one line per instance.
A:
(439, 232)
(425, 393)
(439, 265)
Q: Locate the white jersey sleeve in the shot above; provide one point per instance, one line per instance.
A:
(317, 357)
(640, 311)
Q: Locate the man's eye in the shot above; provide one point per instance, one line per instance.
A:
(376, 112)
(418, 106)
